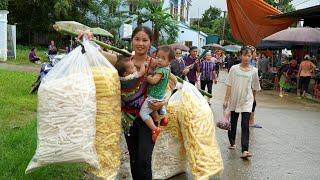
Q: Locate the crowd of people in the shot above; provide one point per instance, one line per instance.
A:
(145, 76)
(201, 71)
(289, 73)
(245, 71)
(295, 76)
(52, 51)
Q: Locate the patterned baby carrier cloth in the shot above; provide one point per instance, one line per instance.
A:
(133, 94)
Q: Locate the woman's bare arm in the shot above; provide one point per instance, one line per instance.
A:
(214, 77)
(112, 58)
(300, 69)
(254, 92)
(227, 97)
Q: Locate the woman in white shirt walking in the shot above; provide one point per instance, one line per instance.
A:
(242, 84)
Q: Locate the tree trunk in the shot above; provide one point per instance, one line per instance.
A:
(139, 20)
(156, 36)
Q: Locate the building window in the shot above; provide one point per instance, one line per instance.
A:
(176, 11)
(188, 43)
(182, 19)
(188, 6)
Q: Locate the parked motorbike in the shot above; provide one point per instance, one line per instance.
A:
(267, 81)
(44, 70)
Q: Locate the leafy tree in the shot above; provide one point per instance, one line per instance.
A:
(207, 20)
(162, 22)
(62, 8)
(36, 17)
(212, 23)
(3, 4)
(112, 6)
(283, 5)
(209, 16)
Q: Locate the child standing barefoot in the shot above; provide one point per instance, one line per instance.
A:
(158, 83)
(242, 84)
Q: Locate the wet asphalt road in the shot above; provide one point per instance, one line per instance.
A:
(287, 147)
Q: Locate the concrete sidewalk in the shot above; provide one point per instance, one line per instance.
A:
(24, 68)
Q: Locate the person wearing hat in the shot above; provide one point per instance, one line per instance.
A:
(306, 70)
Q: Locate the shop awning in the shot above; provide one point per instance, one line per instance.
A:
(310, 16)
(250, 23)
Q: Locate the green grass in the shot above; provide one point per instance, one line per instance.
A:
(23, 55)
(18, 131)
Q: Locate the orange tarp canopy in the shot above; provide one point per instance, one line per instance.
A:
(249, 22)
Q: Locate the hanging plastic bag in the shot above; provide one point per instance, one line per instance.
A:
(66, 114)
(198, 133)
(224, 122)
(73, 72)
(108, 116)
(169, 154)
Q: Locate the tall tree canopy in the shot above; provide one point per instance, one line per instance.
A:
(163, 23)
(209, 16)
(3, 4)
(36, 17)
(212, 23)
(283, 5)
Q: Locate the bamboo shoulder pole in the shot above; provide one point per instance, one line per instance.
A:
(121, 51)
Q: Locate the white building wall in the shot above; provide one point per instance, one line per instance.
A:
(3, 35)
(166, 4)
(187, 34)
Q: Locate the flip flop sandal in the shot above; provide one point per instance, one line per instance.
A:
(256, 126)
(246, 155)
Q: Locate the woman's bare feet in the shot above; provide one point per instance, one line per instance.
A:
(232, 147)
(246, 154)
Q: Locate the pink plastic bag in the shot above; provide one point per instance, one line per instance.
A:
(224, 122)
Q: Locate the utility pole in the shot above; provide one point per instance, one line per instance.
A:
(224, 25)
(198, 28)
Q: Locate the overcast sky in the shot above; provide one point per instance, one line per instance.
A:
(202, 5)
